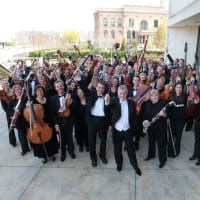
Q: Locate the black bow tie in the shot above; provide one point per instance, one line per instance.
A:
(61, 96)
(100, 96)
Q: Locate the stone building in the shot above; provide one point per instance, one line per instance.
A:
(130, 22)
(184, 30)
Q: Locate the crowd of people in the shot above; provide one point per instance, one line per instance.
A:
(55, 107)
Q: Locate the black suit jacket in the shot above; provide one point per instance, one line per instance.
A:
(55, 105)
(91, 101)
(115, 108)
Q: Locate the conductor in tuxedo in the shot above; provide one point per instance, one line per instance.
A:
(97, 113)
(63, 122)
(123, 118)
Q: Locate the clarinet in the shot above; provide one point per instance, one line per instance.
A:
(147, 123)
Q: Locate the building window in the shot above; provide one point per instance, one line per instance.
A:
(113, 34)
(128, 34)
(133, 34)
(105, 34)
(119, 22)
(105, 22)
(131, 22)
(112, 22)
(143, 25)
(155, 23)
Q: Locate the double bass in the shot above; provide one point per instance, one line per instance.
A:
(39, 131)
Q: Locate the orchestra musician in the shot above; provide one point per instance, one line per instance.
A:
(157, 132)
(192, 97)
(97, 117)
(122, 119)
(196, 151)
(51, 146)
(62, 103)
(177, 120)
(20, 122)
(6, 95)
(133, 93)
(81, 126)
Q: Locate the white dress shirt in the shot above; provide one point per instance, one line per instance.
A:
(123, 122)
(98, 108)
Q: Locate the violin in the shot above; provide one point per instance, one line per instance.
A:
(64, 109)
(62, 63)
(167, 90)
(5, 97)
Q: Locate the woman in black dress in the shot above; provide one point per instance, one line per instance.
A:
(177, 121)
(157, 132)
(51, 146)
(20, 123)
(81, 132)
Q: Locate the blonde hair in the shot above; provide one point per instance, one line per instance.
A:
(154, 92)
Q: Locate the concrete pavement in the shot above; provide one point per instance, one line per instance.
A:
(26, 178)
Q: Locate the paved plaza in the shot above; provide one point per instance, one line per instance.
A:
(26, 178)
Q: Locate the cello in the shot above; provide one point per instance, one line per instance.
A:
(39, 131)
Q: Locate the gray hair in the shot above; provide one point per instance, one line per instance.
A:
(122, 87)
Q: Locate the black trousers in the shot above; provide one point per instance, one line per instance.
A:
(66, 134)
(12, 137)
(81, 133)
(196, 151)
(159, 135)
(177, 127)
(23, 140)
(97, 125)
(118, 138)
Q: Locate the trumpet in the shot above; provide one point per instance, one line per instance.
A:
(147, 123)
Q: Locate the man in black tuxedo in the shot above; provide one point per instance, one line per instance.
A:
(63, 122)
(123, 119)
(97, 123)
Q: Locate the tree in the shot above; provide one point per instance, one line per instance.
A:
(160, 36)
(71, 36)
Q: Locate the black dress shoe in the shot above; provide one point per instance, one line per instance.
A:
(148, 158)
(94, 163)
(188, 128)
(162, 164)
(72, 155)
(104, 160)
(172, 156)
(80, 149)
(53, 158)
(87, 149)
(119, 167)
(14, 145)
(63, 157)
(44, 160)
(192, 158)
(138, 171)
(23, 153)
(198, 162)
